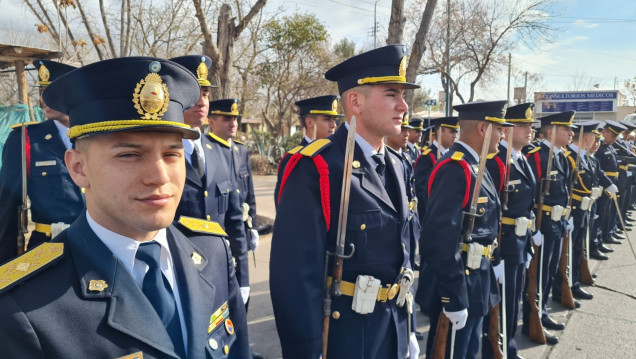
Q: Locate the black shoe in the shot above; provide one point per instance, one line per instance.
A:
(617, 236)
(613, 241)
(257, 356)
(557, 299)
(550, 323)
(550, 338)
(419, 335)
(596, 254)
(619, 231)
(604, 249)
(577, 304)
(579, 293)
(516, 357)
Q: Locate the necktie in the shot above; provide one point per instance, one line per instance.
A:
(524, 166)
(381, 165)
(157, 290)
(197, 162)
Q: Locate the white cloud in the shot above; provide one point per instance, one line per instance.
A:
(584, 24)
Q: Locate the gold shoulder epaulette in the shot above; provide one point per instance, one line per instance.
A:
(536, 149)
(492, 155)
(457, 156)
(426, 151)
(295, 149)
(202, 226)
(18, 125)
(239, 142)
(567, 153)
(315, 147)
(29, 264)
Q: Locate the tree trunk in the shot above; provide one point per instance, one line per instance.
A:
(396, 23)
(225, 44)
(419, 46)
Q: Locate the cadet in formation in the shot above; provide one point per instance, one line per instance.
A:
(370, 319)
(606, 156)
(557, 131)
(319, 118)
(222, 119)
(462, 285)
(413, 144)
(55, 200)
(518, 196)
(122, 281)
(445, 129)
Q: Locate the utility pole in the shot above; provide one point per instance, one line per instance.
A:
(375, 24)
(509, 70)
(525, 88)
(448, 21)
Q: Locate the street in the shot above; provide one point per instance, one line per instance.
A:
(602, 328)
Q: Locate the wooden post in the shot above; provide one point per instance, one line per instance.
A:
(22, 84)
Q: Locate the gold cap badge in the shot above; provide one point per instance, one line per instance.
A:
(44, 74)
(234, 109)
(202, 70)
(528, 113)
(403, 65)
(334, 106)
(151, 95)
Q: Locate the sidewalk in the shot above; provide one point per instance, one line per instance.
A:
(603, 327)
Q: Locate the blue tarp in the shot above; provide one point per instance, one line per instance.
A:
(10, 115)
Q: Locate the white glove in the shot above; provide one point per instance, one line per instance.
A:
(458, 319)
(528, 259)
(498, 269)
(612, 190)
(255, 237)
(570, 226)
(245, 293)
(537, 238)
(414, 347)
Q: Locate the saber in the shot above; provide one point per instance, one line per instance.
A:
(504, 327)
(452, 348)
(570, 257)
(339, 254)
(439, 142)
(472, 213)
(313, 137)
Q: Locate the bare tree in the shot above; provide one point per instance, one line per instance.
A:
(481, 33)
(396, 23)
(221, 50)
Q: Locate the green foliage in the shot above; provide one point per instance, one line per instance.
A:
(299, 32)
(344, 49)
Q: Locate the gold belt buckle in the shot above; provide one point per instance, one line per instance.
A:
(393, 291)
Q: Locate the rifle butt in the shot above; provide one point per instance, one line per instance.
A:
(535, 333)
(493, 332)
(535, 327)
(586, 274)
(441, 337)
(567, 299)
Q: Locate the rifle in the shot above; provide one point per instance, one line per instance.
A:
(441, 335)
(23, 208)
(567, 299)
(536, 333)
(586, 274)
(493, 332)
(339, 255)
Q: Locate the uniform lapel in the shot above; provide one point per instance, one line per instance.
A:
(397, 172)
(129, 311)
(213, 159)
(369, 179)
(197, 304)
(52, 138)
(191, 175)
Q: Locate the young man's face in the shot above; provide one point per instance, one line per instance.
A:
(224, 126)
(325, 126)
(415, 136)
(595, 146)
(609, 136)
(497, 135)
(399, 140)
(51, 114)
(196, 115)
(382, 110)
(448, 136)
(563, 135)
(133, 180)
(521, 135)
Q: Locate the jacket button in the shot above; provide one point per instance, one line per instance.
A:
(238, 190)
(205, 194)
(207, 217)
(363, 227)
(335, 315)
(43, 173)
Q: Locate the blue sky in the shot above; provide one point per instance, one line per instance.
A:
(596, 42)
